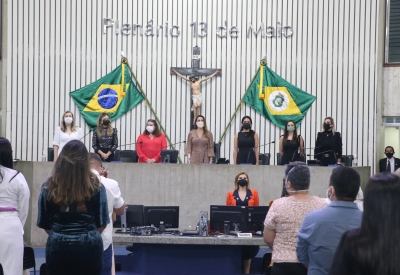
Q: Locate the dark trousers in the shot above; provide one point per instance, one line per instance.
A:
(288, 269)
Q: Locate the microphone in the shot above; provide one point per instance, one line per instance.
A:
(85, 135)
(174, 144)
(140, 142)
(248, 155)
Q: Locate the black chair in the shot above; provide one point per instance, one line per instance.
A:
(1, 270)
(50, 154)
(217, 152)
(264, 159)
(29, 259)
(169, 156)
(125, 155)
(278, 159)
(347, 160)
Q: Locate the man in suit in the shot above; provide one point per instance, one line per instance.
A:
(389, 163)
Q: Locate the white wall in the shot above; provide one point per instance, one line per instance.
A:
(55, 47)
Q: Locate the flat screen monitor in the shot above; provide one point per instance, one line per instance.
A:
(219, 214)
(256, 217)
(153, 215)
(169, 156)
(134, 216)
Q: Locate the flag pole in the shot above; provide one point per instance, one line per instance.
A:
(240, 103)
(124, 60)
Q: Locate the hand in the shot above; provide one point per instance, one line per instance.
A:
(148, 161)
(153, 160)
(105, 156)
(217, 71)
(173, 69)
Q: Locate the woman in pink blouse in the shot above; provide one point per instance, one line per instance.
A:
(284, 219)
(150, 143)
(200, 143)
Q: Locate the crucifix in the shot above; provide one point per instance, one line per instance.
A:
(194, 72)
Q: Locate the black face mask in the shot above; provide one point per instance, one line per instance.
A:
(389, 155)
(106, 122)
(246, 126)
(242, 182)
(327, 127)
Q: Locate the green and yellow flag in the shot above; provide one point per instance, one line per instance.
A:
(276, 99)
(114, 93)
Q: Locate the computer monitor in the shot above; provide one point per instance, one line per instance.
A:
(169, 156)
(134, 216)
(220, 214)
(169, 215)
(256, 217)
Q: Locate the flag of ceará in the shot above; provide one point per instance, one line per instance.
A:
(276, 99)
(114, 93)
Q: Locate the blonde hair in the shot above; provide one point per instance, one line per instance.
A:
(63, 126)
(100, 125)
(236, 180)
(332, 122)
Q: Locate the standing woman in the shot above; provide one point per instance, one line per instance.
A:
(290, 143)
(244, 196)
(72, 209)
(105, 139)
(328, 147)
(200, 143)
(14, 207)
(65, 132)
(150, 143)
(246, 148)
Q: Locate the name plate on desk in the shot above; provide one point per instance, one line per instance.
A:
(245, 235)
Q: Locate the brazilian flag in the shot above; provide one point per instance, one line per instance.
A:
(276, 99)
(114, 93)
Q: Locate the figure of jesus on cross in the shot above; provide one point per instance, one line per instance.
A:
(195, 87)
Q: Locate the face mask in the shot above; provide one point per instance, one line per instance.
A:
(150, 129)
(327, 126)
(68, 120)
(200, 124)
(290, 128)
(106, 122)
(242, 182)
(389, 155)
(246, 126)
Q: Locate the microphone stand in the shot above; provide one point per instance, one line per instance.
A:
(85, 135)
(248, 155)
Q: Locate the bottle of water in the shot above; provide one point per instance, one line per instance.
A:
(43, 156)
(355, 161)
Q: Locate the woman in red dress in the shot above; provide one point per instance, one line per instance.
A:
(150, 143)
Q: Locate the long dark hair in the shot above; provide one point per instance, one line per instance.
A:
(72, 182)
(376, 244)
(286, 133)
(251, 132)
(156, 131)
(6, 159)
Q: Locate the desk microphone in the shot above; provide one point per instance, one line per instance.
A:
(174, 144)
(85, 135)
(140, 142)
(248, 155)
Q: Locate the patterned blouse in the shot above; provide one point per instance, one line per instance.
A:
(105, 141)
(285, 216)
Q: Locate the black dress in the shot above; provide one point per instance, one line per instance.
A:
(246, 152)
(74, 245)
(290, 151)
(328, 147)
(105, 143)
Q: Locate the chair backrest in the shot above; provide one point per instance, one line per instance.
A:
(126, 156)
(29, 258)
(264, 159)
(347, 160)
(169, 156)
(1, 270)
(278, 159)
(217, 152)
(50, 154)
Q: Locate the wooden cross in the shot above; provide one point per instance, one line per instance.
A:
(195, 71)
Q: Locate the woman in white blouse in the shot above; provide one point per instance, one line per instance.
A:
(65, 132)
(14, 206)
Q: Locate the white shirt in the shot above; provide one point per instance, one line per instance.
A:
(114, 200)
(391, 164)
(61, 138)
(15, 193)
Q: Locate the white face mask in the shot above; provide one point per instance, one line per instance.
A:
(68, 120)
(200, 124)
(150, 129)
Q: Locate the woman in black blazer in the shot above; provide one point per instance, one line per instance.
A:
(328, 147)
